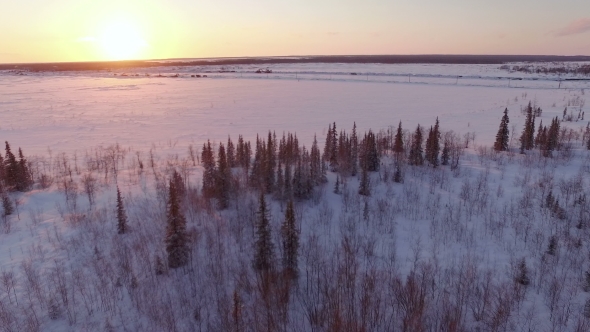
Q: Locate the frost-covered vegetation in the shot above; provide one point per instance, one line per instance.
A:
(411, 229)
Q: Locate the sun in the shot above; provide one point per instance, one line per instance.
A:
(121, 40)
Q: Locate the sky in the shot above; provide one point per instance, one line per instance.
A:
(94, 30)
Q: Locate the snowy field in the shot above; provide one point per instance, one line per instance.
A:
(439, 251)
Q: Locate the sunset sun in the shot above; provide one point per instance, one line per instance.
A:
(122, 40)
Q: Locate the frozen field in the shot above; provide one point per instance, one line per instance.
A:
(67, 112)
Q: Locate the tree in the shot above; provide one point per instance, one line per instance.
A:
(415, 157)
(433, 145)
(231, 154)
(176, 237)
(11, 169)
(208, 161)
(223, 179)
(527, 140)
(264, 249)
(398, 145)
(290, 239)
(6, 205)
(354, 151)
(24, 181)
(365, 183)
(522, 274)
(501, 143)
(121, 215)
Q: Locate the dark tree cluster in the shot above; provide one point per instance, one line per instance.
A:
(546, 138)
(14, 174)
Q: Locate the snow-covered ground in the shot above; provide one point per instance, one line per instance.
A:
(451, 228)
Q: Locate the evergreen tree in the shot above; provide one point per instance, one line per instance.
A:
(23, 174)
(539, 137)
(270, 163)
(354, 151)
(398, 145)
(433, 145)
(522, 274)
(328, 144)
(527, 140)
(280, 187)
(333, 150)
(264, 249)
(446, 153)
(501, 143)
(369, 156)
(6, 204)
(397, 175)
(552, 139)
(208, 161)
(121, 215)
(290, 239)
(223, 179)
(365, 183)
(337, 185)
(416, 157)
(231, 153)
(317, 175)
(11, 170)
(176, 237)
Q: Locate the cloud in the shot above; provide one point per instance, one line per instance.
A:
(87, 39)
(333, 33)
(576, 27)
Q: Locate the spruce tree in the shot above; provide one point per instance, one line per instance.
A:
(446, 153)
(264, 249)
(290, 239)
(11, 169)
(433, 145)
(176, 237)
(6, 204)
(501, 143)
(416, 158)
(223, 179)
(121, 215)
(522, 274)
(231, 153)
(208, 161)
(24, 176)
(398, 145)
(365, 183)
(527, 140)
(354, 151)
(333, 149)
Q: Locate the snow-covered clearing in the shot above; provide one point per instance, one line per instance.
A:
(439, 251)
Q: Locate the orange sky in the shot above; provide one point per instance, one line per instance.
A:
(88, 30)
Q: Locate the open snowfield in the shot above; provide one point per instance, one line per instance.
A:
(68, 112)
(438, 251)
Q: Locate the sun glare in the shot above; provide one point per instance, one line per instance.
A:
(122, 41)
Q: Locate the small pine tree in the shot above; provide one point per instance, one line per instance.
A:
(501, 143)
(176, 237)
(587, 309)
(7, 205)
(522, 274)
(222, 179)
(290, 239)
(365, 185)
(586, 286)
(552, 245)
(416, 157)
(159, 268)
(337, 185)
(397, 175)
(398, 145)
(264, 249)
(121, 215)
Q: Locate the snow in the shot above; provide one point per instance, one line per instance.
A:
(424, 222)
